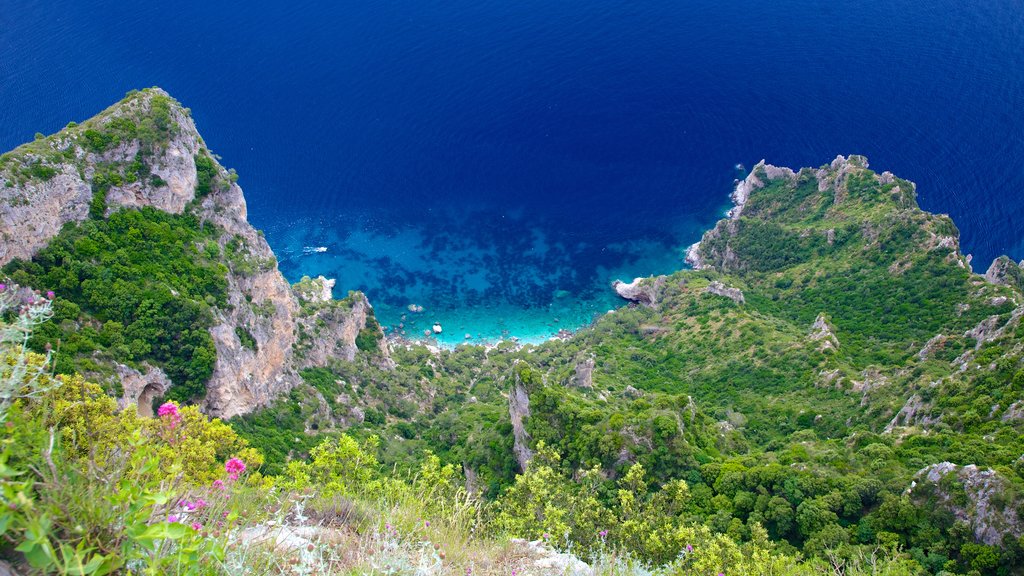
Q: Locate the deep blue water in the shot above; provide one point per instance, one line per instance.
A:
(500, 162)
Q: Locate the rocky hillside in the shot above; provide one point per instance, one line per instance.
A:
(141, 153)
(831, 375)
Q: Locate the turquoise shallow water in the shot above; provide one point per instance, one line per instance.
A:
(509, 279)
(500, 162)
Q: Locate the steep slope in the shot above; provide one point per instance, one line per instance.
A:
(140, 167)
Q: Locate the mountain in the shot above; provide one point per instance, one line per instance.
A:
(61, 202)
(828, 378)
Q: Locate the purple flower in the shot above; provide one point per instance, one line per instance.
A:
(173, 518)
(218, 484)
(3, 287)
(50, 295)
(197, 526)
(689, 548)
(602, 534)
(427, 523)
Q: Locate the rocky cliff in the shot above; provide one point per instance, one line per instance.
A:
(146, 151)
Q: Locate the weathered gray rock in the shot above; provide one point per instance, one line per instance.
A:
(519, 411)
(821, 331)
(141, 389)
(719, 289)
(260, 302)
(640, 290)
(987, 509)
(583, 376)
(1005, 272)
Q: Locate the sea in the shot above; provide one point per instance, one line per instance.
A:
(495, 165)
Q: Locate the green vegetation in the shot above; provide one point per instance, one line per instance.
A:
(787, 432)
(134, 287)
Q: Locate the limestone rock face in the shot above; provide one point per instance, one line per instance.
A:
(822, 332)
(1005, 272)
(719, 289)
(332, 327)
(641, 290)
(33, 210)
(584, 373)
(50, 182)
(985, 509)
(518, 411)
(140, 388)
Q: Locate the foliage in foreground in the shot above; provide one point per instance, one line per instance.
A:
(86, 488)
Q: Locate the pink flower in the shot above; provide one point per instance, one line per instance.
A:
(218, 484)
(167, 409)
(173, 518)
(50, 295)
(602, 534)
(188, 506)
(197, 526)
(3, 287)
(200, 504)
(234, 468)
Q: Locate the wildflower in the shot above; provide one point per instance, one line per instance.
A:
(234, 468)
(218, 484)
(547, 536)
(309, 547)
(50, 295)
(602, 534)
(200, 504)
(689, 548)
(197, 526)
(427, 523)
(3, 287)
(173, 518)
(188, 506)
(168, 412)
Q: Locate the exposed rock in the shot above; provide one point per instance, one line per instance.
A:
(260, 303)
(991, 328)
(518, 411)
(33, 212)
(986, 508)
(632, 392)
(330, 329)
(546, 561)
(693, 257)
(584, 373)
(1005, 272)
(744, 188)
(930, 346)
(641, 290)
(821, 332)
(314, 290)
(141, 389)
(911, 414)
(1014, 412)
(719, 289)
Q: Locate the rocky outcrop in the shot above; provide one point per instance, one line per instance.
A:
(140, 389)
(931, 346)
(821, 331)
(144, 151)
(49, 182)
(519, 411)
(719, 289)
(641, 290)
(330, 329)
(993, 327)
(583, 375)
(976, 497)
(1005, 272)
